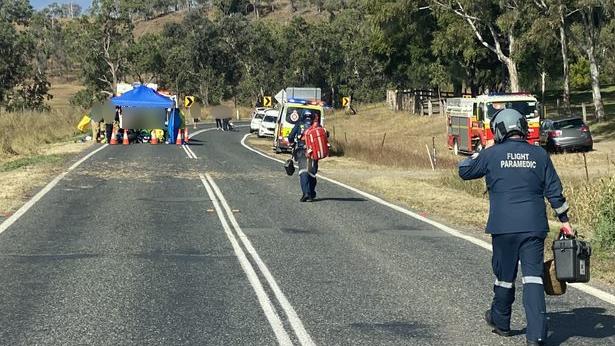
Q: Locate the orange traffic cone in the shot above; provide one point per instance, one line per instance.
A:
(186, 137)
(113, 137)
(153, 139)
(178, 140)
(125, 140)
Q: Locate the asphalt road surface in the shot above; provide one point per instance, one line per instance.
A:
(149, 245)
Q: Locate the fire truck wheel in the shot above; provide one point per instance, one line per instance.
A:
(455, 147)
(479, 147)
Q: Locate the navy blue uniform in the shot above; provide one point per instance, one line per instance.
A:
(519, 177)
(308, 168)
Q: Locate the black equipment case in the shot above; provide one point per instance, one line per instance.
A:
(571, 259)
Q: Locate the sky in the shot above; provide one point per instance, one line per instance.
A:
(40, 4)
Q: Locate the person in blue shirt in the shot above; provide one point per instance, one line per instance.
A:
(519, 177)
(308, 168)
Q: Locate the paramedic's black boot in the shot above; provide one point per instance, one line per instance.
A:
(304, 198)
(535, 343)
(496, 330)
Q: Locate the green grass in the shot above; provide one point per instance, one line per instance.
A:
(30, 161)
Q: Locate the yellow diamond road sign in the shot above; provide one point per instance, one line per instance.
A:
(345, 101)
(267, 101)
(188, 101)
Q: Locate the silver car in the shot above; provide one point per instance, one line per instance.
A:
(565, 135)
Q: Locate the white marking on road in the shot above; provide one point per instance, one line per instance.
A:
(263, 299)
(302, 335)
(24, 208)
(598, 293)
(186, 151)
(189, 152)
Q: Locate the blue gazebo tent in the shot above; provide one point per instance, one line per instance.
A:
(142, 97)
(145, 97)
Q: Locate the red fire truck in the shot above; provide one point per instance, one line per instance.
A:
(469, 119)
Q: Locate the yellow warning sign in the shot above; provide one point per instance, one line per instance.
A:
(188, 101)
(267, 101)
(345, 101)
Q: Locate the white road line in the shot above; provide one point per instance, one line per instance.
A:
(24, 208)
(598, 293)
(302, 335)
(195, 133)
(186, 151)
(268, 308)
(189, 152)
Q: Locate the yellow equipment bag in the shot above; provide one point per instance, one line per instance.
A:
(84, 123)
(158, 133)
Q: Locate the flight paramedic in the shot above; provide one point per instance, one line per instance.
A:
(308, 168)
(519, 176)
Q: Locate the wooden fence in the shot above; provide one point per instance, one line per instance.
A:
(420, 102)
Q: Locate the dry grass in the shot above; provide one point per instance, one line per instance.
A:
(384, 137)
(400, 171)
(26, 133)
(62, 93)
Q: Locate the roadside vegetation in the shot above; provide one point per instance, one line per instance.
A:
(359, 137)
(27, 133)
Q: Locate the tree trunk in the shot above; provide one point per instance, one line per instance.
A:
(595, 77)
(564, 45)
(513, 74)
(543, 84)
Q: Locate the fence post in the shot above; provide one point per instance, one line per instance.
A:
(430, 107)
(586, 171)
(584, 112)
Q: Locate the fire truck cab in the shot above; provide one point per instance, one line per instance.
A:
(469, 119)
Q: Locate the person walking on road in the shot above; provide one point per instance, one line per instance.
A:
(308, 168)
(519, 176)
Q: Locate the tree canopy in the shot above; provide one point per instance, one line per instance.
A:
(218, 49)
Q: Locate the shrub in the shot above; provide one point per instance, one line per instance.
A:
(604, 225)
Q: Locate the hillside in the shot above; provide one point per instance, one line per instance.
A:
(279, 11)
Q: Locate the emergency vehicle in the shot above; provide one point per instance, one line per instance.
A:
(469, 119)
(293, 103)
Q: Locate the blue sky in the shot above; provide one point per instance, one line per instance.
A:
(40, 4)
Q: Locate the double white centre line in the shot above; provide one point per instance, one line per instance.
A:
(221, 206)
(189, 152)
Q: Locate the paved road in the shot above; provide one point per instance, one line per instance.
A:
(143, 245)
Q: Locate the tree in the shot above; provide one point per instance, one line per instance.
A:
(23, 83)
(102, 44)
(589, 19)
(497, 25)
(401, 39)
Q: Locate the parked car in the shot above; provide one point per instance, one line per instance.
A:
(565, 134)
(257, 117)
(267, 127)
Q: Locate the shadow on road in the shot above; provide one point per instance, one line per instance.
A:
(591, 323)
(351, 199)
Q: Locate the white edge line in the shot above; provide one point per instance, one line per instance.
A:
(596, 292)
(24, 208)
(268, 308)
(302, 335)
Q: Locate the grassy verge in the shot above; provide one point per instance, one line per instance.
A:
(399, 170)
(26, 133)
(35, 145)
